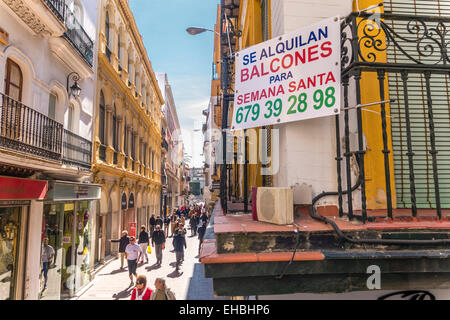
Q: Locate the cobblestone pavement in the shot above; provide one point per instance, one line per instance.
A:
(111, 283)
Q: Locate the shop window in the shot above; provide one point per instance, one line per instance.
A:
(51, 252)
(9, 245)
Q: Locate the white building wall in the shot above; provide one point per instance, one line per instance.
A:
(307, 148)
(43, 72)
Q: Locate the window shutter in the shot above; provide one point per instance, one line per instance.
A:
(418, 109)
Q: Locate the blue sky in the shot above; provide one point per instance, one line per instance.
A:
(186, 59)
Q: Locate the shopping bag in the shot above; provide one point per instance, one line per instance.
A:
(85, 251)
(149, 249)
(163, 246)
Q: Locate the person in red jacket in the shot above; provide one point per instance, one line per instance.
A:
(140, 291)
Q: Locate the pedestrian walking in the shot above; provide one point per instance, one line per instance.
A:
(181, 228)
(166, 226)
(152, 224)
(123, 242)
(159, 221)
(47, 254)
(173, 221)
(204, 217)
(201, 235)
(143, 243)
(141, 291)
(161, 291)
(182, 220)
(193, 224)
(133, 253)
(159, 243)
(179, 244)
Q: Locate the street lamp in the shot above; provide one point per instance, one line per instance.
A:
(197, 30)
(75, 89)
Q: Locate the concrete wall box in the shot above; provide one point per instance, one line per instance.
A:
(302, 194)
(275, 205)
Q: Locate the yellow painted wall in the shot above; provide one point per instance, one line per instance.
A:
(252, 33)
(374, 158)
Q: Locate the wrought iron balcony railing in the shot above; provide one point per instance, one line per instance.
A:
(58, 7)
(77, 151)
(408, 55)
(78, 37)
(26, 130)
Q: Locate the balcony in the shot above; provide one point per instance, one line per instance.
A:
(58, 7)
(25, 130)
(76, 35)
(77, 151)
(73, 46)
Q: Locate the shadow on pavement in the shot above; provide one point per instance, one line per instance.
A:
(123, 294)
(113, 272)
(200, 288)
(175, 274)
(153, 267)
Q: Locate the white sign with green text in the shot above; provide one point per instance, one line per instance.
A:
(293, 77)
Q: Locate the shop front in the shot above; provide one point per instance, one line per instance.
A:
(128, 215)
(15, 201)
(67, 227)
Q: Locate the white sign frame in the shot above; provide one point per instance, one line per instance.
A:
(275, 85)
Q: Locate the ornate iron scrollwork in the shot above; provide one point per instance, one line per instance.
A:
(419, 40)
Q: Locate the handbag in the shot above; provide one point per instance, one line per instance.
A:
(149, 249)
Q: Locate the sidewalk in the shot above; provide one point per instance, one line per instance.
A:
(111, 283)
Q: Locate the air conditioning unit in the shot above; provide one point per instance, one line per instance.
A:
(275, 205)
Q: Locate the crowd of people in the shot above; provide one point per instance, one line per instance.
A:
(172, 226)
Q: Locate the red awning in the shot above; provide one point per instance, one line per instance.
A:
(22, 189)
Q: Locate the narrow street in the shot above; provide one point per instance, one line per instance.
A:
(111, 283)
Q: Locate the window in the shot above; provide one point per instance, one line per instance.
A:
(125, 138)
(13, 80)
(101, 120)
(52, 106)
(118, 50)
(107, 29)
(70, 118)
(133, 147)
(145, 155)
(114, 128)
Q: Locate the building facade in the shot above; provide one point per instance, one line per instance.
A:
(127, 145)
(174, 157)
(48, 71)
